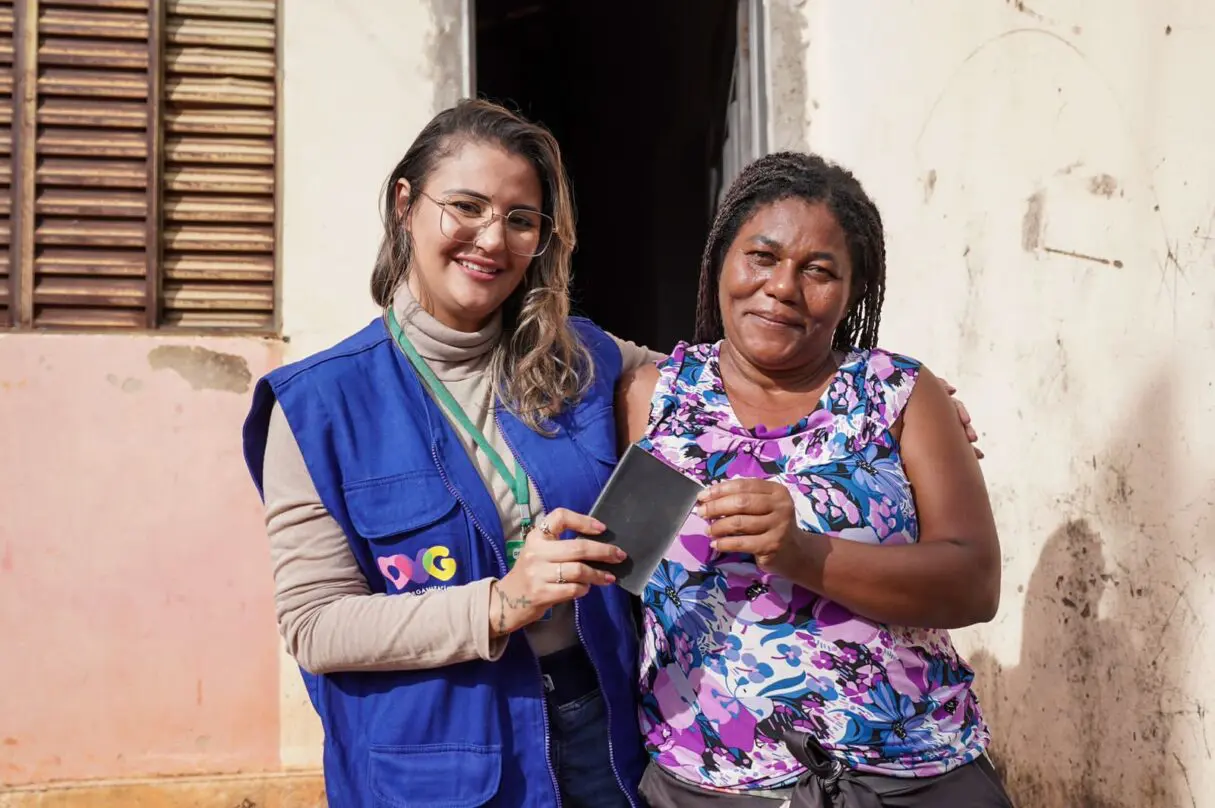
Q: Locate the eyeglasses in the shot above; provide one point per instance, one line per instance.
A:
(465, 218)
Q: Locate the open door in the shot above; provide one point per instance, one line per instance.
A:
(639, 95)
(746, 119)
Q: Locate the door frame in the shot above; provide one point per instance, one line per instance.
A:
(468, 42)
(746, 134)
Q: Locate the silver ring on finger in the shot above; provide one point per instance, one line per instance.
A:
(560, 573)
(545, 529)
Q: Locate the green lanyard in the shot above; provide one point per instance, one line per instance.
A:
(518, 481)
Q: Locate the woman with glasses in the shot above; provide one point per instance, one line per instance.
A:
(417, 478)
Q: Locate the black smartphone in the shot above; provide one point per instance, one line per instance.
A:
(643, 505)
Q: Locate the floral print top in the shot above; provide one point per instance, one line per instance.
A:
(733, 655)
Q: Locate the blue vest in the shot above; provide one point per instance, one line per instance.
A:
(390, 469)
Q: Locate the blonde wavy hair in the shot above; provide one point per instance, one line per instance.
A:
(539, 366)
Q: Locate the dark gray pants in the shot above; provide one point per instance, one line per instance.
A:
(829, 785)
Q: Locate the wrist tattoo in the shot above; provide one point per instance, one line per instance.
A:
(505, 600)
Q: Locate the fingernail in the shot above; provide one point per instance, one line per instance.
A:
(699, 511)
(713, 544)
(600, 525)
(611, 579)
(620, 555)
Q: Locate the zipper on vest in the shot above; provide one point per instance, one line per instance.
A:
(548, 733)
(471, 514)
(582, 640)
(607, 703)
(548, 760)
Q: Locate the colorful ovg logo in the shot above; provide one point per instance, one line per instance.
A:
(430, 562)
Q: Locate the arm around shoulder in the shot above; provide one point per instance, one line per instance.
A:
(633, 356)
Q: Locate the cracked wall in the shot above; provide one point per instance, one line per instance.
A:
(1048, 188)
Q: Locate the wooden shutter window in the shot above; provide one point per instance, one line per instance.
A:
(219, 164)
(138, 148)
(92, 256)
(7, 284)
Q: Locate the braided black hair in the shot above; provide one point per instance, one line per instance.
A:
(808, 177)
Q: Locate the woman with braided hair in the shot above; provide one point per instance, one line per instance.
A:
(796, 641)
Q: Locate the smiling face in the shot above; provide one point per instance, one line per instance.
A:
(785, 285)
(462, 283)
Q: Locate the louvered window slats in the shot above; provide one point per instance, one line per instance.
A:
(219, 164)
(7, 284)
(151, 135)
(91, 182)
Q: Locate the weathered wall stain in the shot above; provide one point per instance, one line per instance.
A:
(1032, 222)
(1081, 695)
(1019, 5)
(1102, 185)
(127, 385)
(1069, 168)
(975, 258)
(1109, 262)
(930, 184)
(202, 368)
(1091, 715)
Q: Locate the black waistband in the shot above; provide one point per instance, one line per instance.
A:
(568, 674)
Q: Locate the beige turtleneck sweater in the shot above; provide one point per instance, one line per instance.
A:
(327, 614)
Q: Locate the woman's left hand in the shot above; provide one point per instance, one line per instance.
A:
(755, 517)
(964, 417)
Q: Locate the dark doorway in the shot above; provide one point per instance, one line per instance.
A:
(636, 93)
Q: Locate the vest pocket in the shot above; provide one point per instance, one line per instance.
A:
(594, 433)
(414, 528)
(434, 776)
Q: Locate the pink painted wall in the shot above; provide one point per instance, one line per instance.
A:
(136, 625)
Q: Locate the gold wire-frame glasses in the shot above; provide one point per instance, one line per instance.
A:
(463, 218)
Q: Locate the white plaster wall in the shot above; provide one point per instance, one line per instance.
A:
(1046, 171)
(360, 79)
